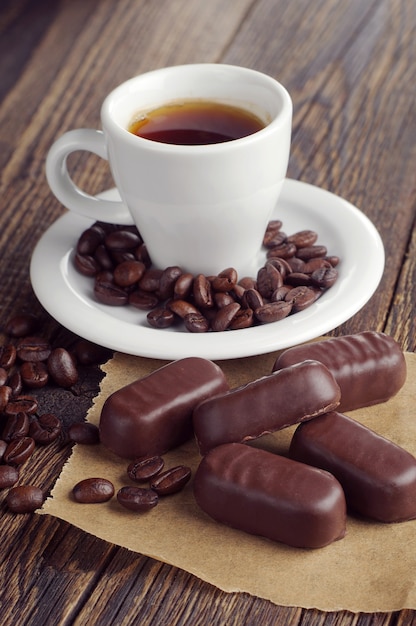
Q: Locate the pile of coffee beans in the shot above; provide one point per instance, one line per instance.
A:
(29, 362)
(146, 469)
(297, 272)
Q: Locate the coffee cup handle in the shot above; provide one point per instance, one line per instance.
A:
(64, 188)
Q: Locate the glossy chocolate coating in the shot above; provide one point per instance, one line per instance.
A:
(265, 405)
(269, 495)
(378, 476)
(154, 414)
(369, 367)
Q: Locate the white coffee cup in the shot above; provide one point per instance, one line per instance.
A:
(201, 207)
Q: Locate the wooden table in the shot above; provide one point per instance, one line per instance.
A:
(351, 70)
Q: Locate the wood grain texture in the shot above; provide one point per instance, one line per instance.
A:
(351, 69)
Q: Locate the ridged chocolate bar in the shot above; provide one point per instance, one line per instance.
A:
(369, 367)
(378, 476)
(154, 414)
(269, 495)
(266, 405)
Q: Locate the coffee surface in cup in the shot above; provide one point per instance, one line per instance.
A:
(196, 122)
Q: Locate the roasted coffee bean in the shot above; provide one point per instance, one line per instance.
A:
(34, 374)
(247, 283)
(150, 280)
(183, 286)
(109, 293)
(122, 256)
(19, 450)
(33, 349)
(324, 277)
(62, 367)
(145, 467)
(24, 499)
(196, 323)
(122, 240)
(226, 280)
(143, 300)
(315, 264)
(273, 311)
(302, 297)
(4, 374)
(273, 235)
(103, 258)
(45, 429)
(222, 299)
(5, 396)
(88, 353)
(295, 279)
(168, 281)
(161, 317)
(16, 427)
(182, 308)
(280, 293)
(128, 273)
(311, 252)
(202, 292)
(333, 260)
(21, 404)
(86, 265)
(171, 481)
(84, 433)
(282, 265)
(93, 491)
(7, 356)
(138, 499)
(268, 280)
(296, 264)
(9, 476)
(22, 325)
(15, 383)
(243, 319)
(284, 251)
(225, 316)
(89, 240)
(253, 299)
(3, 447)
(303, 238)
(141, 254)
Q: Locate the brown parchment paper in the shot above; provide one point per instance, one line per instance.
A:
(372, 569)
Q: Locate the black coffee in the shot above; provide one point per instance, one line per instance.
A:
(196, 122)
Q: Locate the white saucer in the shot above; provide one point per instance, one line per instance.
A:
(345, 230)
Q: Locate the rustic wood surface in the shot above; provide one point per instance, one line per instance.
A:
(351, 70)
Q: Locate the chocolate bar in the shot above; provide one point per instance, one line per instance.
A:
(377, 475)
(269, 495)
(369, 367)
(154, 414)
(266, 405)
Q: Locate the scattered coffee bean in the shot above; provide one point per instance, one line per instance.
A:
(34, 374)
(9, 475)
(24, 499)
(21, 404)
(33, 349)
(171, 481)
(45, 429)
(144, 468)
(7, 356)
(62, 367)
(93, 491)
(16, 427)
(22, 325)
(138, 499)
(84, 433)
(19, 450)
